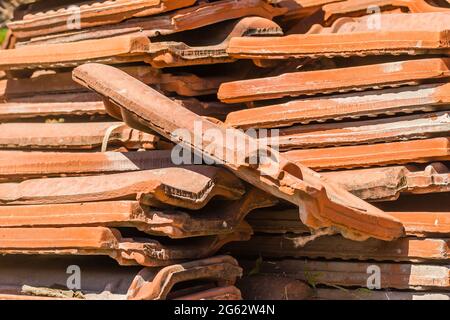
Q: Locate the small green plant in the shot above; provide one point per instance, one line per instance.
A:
(3, 32)
(312, 278)
(257, 267)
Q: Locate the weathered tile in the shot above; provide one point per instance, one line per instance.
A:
(104, 280)
(74, 136)
(414, 151)
(337, 294)
(48, 164)
(433, 97)
(336, 247)
(387, 183)
(412, 34)
(409, 72)
(108, 242)
(190, 18)
(356, 274)
(91, 13)
(276, 287)
(222, 293)
(184, 84)
(189, 188)
(222, 218)
(405, 128)
(419, 224)
(26, 110)
(294, 183)
(122, 49)
(351, 8)
(132, 48)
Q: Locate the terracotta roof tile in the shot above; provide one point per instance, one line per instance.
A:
(345, 106)
(190, 18)
(223, 293)
(337, 294)
(186, 188)
(74, 136)
(185, 84)
(292, 183)
(390, 74)
(418, 224)
(364, 132)
(104, 280)
(131, 48)
(92, 13)
(360, 7)
(336, 247)
(108, 242)
(354, 274)
(174, 223)
(414, 151)
(412, 34)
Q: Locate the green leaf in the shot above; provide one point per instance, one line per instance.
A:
(3, 32)
(257, 267)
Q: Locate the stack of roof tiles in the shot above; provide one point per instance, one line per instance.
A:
(93, 93)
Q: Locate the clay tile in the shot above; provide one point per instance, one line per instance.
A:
(186, 188)
(336, 247)
(348, 8)
(387, 183)
(90, 14)
(190, 18)
(103, 280)
(417, 224)
(108, 242)
(354, 274)
(415, 151)
(390, 74)
(74, 136)
(398, 34)
(349, 106)
(364, 132)
(221, 218)
(132, 48)
(294, 183)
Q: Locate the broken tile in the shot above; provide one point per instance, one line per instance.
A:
(148, 286)
(178, 54)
